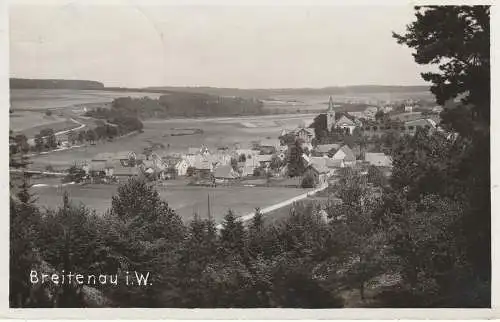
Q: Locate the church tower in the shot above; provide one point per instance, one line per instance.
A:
(330, 115)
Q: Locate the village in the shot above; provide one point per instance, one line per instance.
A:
(265, 163)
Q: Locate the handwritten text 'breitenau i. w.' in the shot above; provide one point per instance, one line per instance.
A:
(128, 278)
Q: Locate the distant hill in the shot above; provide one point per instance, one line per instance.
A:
(267, 93)
(22, 83)
(260, 93)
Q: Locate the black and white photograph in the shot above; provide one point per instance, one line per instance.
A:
(305, 156)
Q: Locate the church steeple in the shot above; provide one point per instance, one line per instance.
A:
(330, 115)
(330, 104)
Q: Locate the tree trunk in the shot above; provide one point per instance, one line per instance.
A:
(362, 290)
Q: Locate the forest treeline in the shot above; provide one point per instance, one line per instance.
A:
(23, 83)
(180, 105)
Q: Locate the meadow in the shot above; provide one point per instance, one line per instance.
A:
(185, 200)
(24, 120)
(294, 103)
(42, 99)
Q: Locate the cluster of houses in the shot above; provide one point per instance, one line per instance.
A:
(268, 156)
(222, 164)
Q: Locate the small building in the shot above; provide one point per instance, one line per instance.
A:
(85, 166)
(175, 167)
(155, 168)
(345, 123)
(346, 155)
(101, 168)
(264, 160)
(220, 158)
(124, 173)
(225, 173)
(127, 158)
(305, 134)
(248, 153)
(370, 112)
(202, 168)
(387, 109)
(320, 173)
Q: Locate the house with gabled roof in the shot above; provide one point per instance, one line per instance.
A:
(345, 123)
(123, 173)
(305, 134)
(175, 166)
(201, 166)
(318, 171)
(101, 168)
(225, 173)
(346, 155)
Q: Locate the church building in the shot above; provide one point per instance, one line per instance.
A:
(344, 122)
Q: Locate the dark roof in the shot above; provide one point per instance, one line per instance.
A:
(225, 172)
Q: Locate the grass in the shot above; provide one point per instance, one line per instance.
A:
(22, 121)
(41, 99)
(186, 200)
(59, 126)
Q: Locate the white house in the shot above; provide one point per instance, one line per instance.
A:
(387, 109)
(345, 123)
(305, 134)
(408, 108)
(370, 112)
(180, 166)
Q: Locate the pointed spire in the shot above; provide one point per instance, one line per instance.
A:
(330, 103)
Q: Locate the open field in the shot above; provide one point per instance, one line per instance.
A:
(186, 200)
(65, 124)
(25, 120)
(294, 103)
(58, 98)
(29, 106)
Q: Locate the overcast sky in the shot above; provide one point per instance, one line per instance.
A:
(241, 46)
